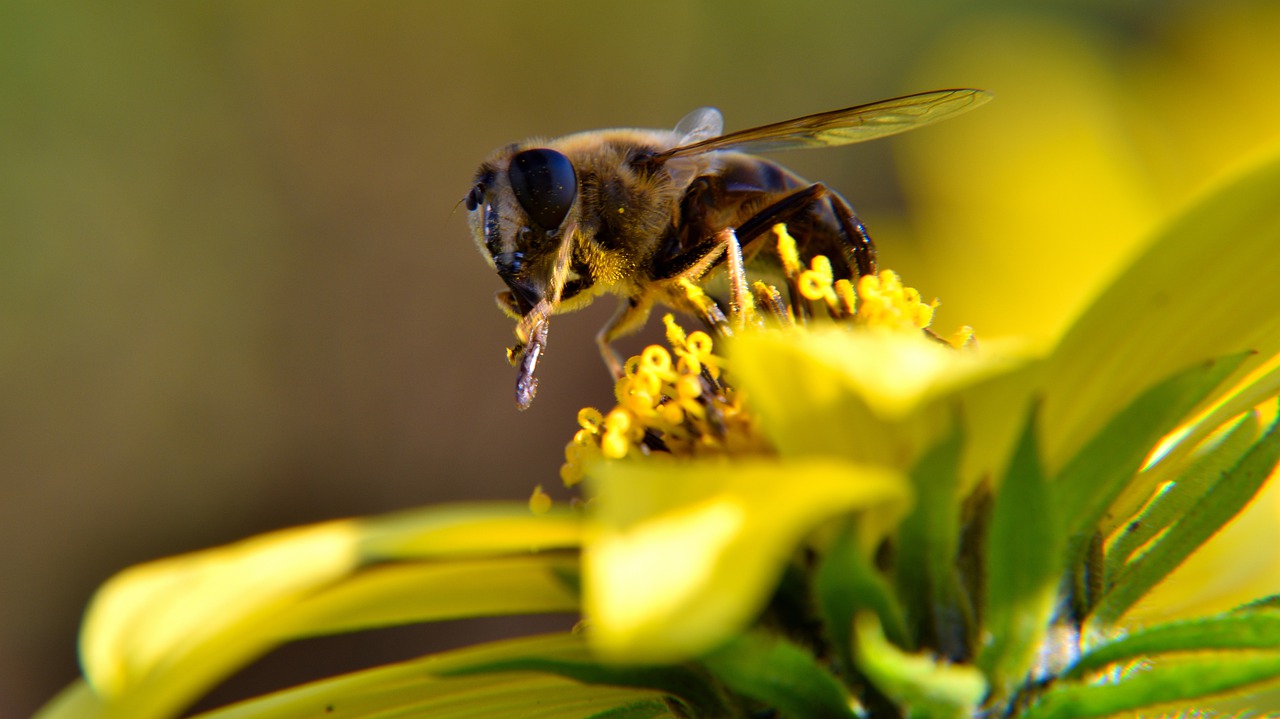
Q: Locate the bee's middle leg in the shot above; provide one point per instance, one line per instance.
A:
(630, 317)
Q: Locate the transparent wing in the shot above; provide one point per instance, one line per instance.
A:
(838, 127)
(701, 124)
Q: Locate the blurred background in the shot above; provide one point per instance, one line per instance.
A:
(237, 291)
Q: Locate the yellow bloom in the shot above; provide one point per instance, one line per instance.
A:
(713, 469)
(834, 511)
(829, 509)
(678, 560)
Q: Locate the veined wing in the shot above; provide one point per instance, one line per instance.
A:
(842, 127)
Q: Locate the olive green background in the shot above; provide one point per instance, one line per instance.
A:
(237, 291)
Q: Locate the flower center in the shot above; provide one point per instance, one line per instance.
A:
(682, 401)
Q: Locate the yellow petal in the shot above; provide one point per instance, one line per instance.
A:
(158, 635)
(153, 613)
(682, 555)
(415, 592)
(466, 529)
(874, 397)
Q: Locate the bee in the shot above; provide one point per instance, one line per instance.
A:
(639, 213)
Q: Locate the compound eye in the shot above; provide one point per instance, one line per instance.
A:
(544, 184)
(474, 198)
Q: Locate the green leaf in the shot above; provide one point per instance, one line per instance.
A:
(1023, 566)
(926, 548)
(929, 688)
(1259, 386)
(1181, 496)
(1261, 603)
(1224, 501)
(1164, 684)
(1244, 630)
(1205, 287)
(1096, 475)
(847, 583)
(440, 687)
(683, 555)
(780, 674)
(576, 662)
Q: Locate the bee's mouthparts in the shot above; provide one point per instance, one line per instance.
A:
(526, 382)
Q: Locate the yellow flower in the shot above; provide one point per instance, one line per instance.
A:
(835, 511)
(832, 511)
(816, 412)
(678, 560)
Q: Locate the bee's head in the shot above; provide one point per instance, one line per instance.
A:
(518, 207)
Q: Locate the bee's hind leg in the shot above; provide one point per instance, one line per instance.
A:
(860, 250)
